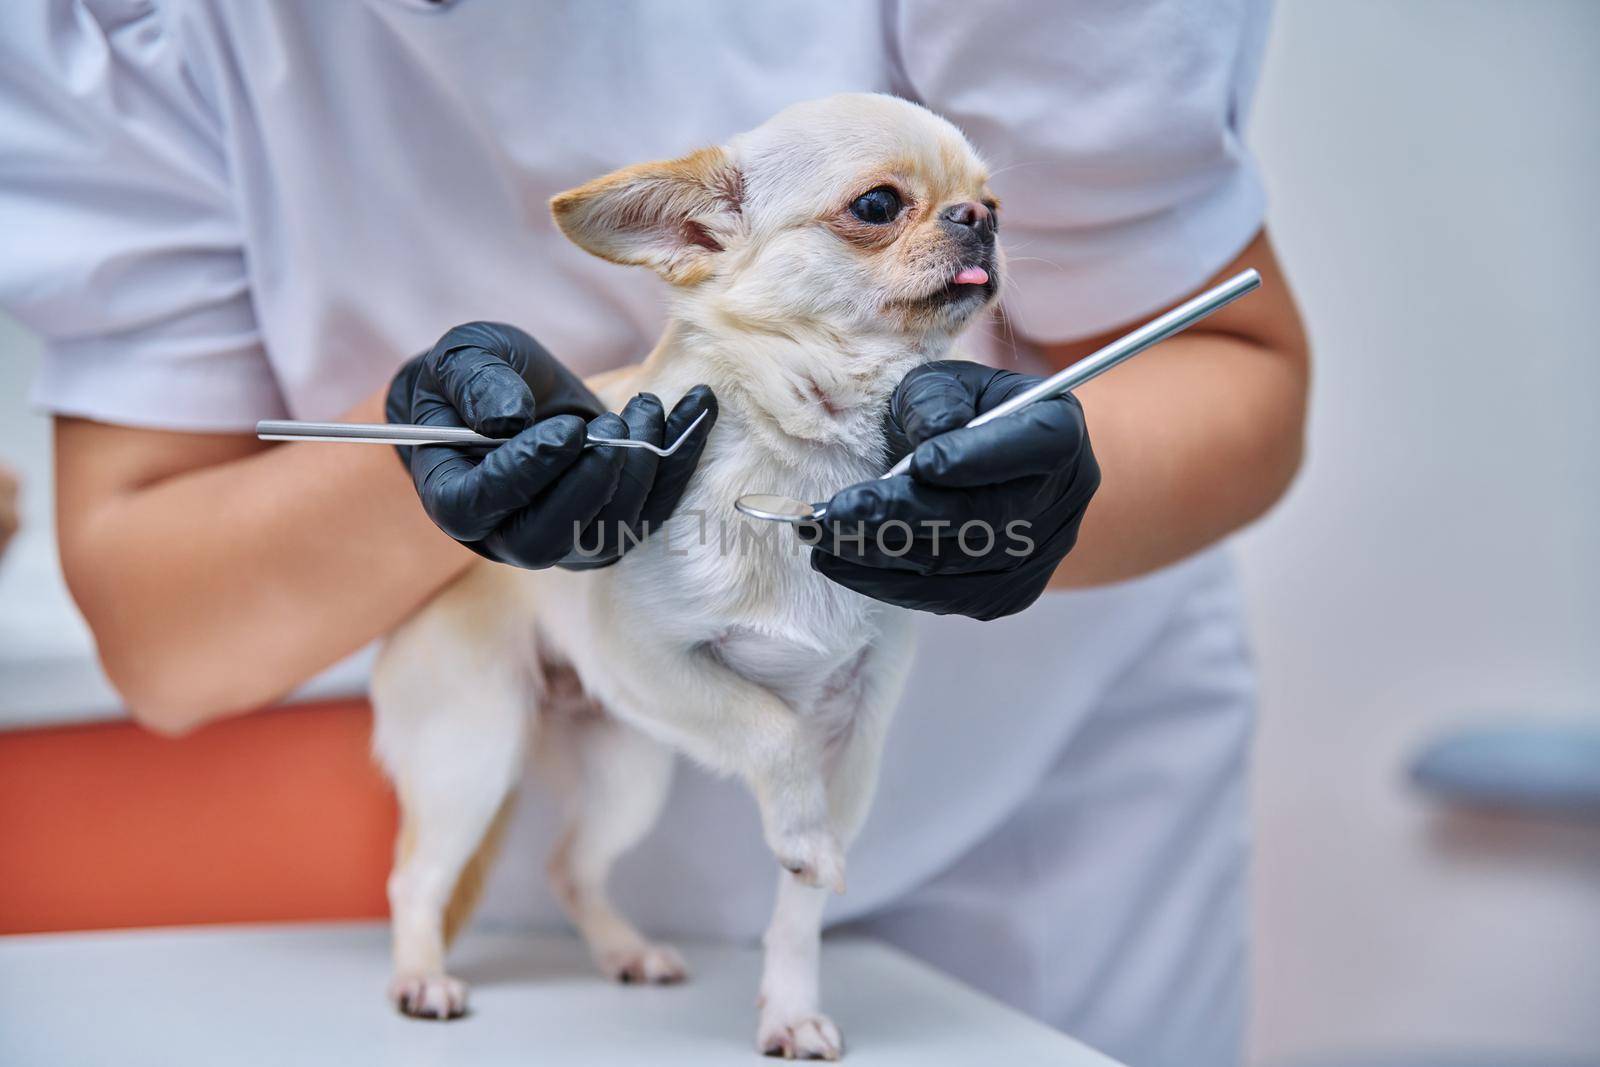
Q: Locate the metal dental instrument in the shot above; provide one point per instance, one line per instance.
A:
(385, 433)
(777, 508)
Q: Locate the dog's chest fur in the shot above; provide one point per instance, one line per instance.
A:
(711, 582)
(743, 590)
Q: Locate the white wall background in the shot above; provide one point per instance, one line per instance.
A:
(1434, 170)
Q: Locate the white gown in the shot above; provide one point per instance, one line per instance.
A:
(217, 212)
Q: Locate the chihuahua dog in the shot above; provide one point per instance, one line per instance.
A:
(813, 261)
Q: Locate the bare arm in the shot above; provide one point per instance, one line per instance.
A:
(9, 520)
(218, 572)
(1195, 438)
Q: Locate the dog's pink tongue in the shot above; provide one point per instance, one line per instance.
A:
(972, 276)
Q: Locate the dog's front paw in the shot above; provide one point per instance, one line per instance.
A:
(804, 1037)
(429, 996)
(814, 858)
(649, 964)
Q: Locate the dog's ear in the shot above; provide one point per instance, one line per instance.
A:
(672, 216)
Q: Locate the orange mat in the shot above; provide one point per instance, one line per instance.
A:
(280, 815)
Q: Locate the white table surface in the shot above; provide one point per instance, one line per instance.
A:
(313, 994)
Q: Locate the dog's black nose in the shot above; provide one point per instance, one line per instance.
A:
(971, 215)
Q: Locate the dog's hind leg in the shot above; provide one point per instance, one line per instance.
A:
(452, 707)
(616, 783)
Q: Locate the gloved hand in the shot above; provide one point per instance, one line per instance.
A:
(540, 497)
(1024, 481)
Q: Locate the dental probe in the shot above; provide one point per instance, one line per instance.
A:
(388, 433)
(774, 507)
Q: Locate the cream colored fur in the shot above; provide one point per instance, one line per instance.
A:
(726, 648)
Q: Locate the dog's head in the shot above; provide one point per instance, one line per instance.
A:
(861, 219)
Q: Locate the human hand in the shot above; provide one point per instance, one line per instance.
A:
(535, 499)
(979, 524)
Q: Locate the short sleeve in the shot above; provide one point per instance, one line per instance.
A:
(1112, 131)
(123, 246)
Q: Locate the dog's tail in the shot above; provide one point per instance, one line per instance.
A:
(469, 884)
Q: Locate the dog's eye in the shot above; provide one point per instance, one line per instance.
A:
(878, 206)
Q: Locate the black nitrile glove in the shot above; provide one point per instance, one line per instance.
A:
(1018, 486)
(541, 498)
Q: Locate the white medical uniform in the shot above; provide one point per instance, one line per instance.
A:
(216, 212)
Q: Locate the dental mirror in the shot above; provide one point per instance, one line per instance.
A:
(777, 508)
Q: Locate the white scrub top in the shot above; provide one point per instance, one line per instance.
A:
(216, 212)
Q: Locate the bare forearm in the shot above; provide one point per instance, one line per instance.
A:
(217, 589)
(9, 490)
(1184, 458)
(1196, 438)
